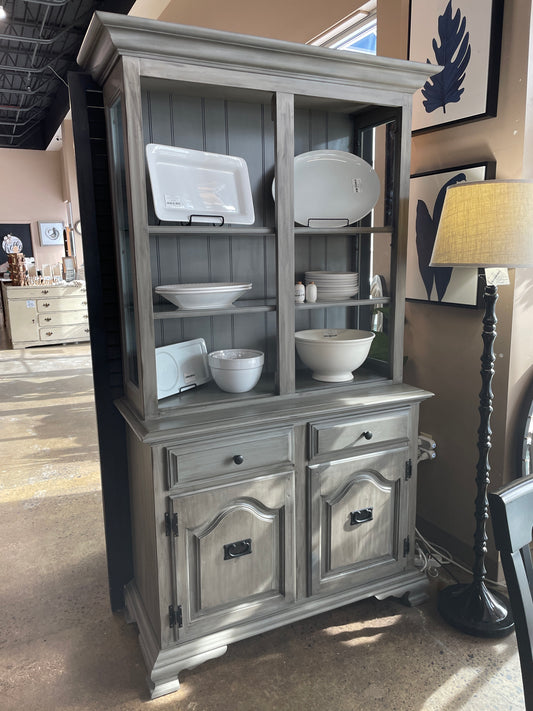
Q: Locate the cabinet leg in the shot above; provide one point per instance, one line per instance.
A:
(413, 591)
(164, 680)
(417, 595)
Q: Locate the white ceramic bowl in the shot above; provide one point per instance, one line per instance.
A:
(236, 370)
(214, 295)
(333, 353)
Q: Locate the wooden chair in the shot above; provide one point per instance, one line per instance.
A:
(511, 509)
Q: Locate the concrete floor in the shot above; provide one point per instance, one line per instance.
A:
(61, 647)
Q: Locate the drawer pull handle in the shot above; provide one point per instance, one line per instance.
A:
(46, 305)
(238, 459)
(86, 330)
(49, 333)
(84, 303)
(368, 434)
(48, 318)
(361, 516)
(237, 549)
(44, 291)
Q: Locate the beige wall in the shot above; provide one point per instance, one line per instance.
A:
(34, 186)
(443, 343)
(278, 19)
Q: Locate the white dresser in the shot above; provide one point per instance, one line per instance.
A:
(36, 315)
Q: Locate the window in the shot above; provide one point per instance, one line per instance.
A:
(355, 33)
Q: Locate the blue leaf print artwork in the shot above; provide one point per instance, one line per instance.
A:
(454, 55)
(426, 232)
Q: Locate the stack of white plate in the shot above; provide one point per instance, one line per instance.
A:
(334, 286)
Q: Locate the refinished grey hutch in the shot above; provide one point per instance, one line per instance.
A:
(253, 510)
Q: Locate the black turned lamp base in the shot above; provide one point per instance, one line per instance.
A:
(476, 610)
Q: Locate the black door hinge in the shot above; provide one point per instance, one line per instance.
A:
(408, 469)
(175, 616)
(406, 546)
(171, 524)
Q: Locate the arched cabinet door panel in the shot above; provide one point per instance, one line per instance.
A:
(357, 529)
(234, 552)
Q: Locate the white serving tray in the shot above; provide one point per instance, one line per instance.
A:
(199, 187)
(333, 188)
(181, 366)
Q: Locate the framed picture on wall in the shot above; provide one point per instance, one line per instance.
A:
(51, 234)
(464, 37)
(454, 286)
(15, 237)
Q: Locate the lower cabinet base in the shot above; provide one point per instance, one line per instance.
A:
(164, 665)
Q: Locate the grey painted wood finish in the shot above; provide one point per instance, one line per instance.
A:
(251, 511)
(356, 526)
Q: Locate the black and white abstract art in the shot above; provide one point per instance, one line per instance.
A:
(464, 38)
(443, 285)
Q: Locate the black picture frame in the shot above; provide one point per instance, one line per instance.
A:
(20, 230)
(448, 286)
(467, 88)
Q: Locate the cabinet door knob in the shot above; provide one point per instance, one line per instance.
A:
(368, 434)
(237, 549)
(238, 459)
(361, 516)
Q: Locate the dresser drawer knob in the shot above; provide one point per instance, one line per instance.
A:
(368, 434)
(49, 333)
(48, 318)
(361, 516)
(46, 305)
(44, 291)
(238, 459)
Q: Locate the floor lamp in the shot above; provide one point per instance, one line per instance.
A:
(483, 224)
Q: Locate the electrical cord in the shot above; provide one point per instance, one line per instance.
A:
(430, 551)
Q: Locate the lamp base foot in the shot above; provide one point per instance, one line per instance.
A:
(474, 609)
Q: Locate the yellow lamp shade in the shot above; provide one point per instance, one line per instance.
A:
(486, 224)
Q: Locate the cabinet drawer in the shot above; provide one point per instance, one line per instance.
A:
(60, 318)
(74, 303)
(375, 429)
(78, 331)
(42, 292)
(229, 455)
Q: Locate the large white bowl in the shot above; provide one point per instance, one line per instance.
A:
(236, 370)
(333, 353)
(213, 295)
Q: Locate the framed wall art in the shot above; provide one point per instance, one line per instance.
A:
(454, 286)
(15, 237)
(51, 234)
(464, 37)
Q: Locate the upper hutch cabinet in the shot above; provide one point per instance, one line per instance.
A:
(229, 490)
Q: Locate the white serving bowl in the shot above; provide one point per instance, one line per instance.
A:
(333, 353)
(213, 295)
(236, 370)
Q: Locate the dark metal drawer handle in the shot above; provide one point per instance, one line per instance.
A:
(44, 291)
(237, 549)
(46, 305)
(238, 459)
(368, 434)
(48, 318)
(361, 516)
